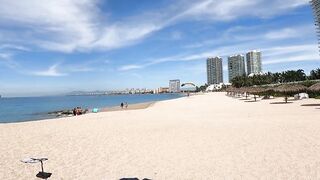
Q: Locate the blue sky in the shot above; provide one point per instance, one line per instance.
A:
(66, 45)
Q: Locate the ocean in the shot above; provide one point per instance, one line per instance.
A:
(21, 109)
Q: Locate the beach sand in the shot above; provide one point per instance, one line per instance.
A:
(208, 136)
(129, 107)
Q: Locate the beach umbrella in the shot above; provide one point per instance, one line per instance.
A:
(267, 91)
(314, 88)
(244, 90)
(230, 90)
(255, 91)
(289, 89)
(233, 90)
(259, 90)
(238, 91)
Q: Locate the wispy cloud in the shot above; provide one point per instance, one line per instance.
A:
(176, 35)
(6, 59)
(241, 43)
(52, 71)
(293, 53)
(228, 10)
(73, 25)
(243, 34)
(13, 47)
(290, 32)
(275, 55)
(130, 67)
(5, 56)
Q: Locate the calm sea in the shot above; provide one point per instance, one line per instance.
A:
(36, 108)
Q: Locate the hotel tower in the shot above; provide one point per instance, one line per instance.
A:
(254, 62)
(236, 66)
(214, 70)
(174, 86)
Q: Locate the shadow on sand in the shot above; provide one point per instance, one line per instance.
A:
(311, 105)
(252, 101)
(244, 99)
(134, 179)
(281, 103)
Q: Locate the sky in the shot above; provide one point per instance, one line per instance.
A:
(58, 46)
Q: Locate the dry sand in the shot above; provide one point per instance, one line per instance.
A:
(209, 136)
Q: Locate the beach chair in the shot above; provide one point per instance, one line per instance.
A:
(41, 174)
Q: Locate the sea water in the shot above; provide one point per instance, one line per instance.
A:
(22, 109)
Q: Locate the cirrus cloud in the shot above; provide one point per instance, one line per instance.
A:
(80, 25)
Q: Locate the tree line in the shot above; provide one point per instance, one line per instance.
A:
(275, 78)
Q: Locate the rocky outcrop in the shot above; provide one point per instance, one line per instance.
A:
(64, 113)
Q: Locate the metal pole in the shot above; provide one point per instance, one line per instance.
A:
(41, 165)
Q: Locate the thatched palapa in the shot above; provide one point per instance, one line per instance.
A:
(290, 88)
(255, 90)
(314, 88)
(230, 89)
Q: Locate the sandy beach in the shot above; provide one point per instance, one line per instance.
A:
(209, 136)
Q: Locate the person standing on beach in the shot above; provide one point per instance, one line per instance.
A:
(126, 105)
(121, 105)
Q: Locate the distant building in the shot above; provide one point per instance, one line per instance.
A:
(174, 86)
(162, 90)
(315, 4)
(236, 66)
(254, 62)
(214, 70)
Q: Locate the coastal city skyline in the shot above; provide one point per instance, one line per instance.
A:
(99, 45)
(238, 65)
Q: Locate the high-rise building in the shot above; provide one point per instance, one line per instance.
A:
(174, 86)
(214, 70)
(315, 4)
(254, 62)
(236, 66)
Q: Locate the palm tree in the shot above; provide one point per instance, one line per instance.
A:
(315, 74)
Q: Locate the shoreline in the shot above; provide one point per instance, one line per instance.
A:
(131, 107)
(65, 113)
